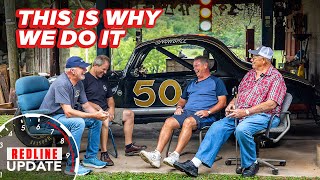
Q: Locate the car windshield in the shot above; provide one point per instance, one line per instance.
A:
(172, 58)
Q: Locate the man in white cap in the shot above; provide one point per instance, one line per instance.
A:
(261, 93)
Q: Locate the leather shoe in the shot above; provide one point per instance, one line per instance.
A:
(251, 170)
(134, 149)
(188, 167)
(106, 158)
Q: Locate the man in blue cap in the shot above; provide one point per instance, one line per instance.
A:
(63, 95)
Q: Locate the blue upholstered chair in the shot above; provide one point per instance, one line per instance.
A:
(31, 91)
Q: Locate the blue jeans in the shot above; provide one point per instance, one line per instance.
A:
(220, 131)
(76, 126)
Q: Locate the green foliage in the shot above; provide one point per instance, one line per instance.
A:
(229, 29)
(81, 52)
(121, 55)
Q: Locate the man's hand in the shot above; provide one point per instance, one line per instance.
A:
(101, 115)
(202, 113)
(237, 113)
(230, 107)
(111, 114)
(178, 111)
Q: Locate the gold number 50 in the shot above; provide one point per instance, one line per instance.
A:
(143, 87)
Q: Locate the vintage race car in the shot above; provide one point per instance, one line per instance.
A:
(152, 91)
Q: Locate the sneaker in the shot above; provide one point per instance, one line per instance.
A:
(106, 158)
(251, 170)
(134, 149)
(153, 158)
(188, 167)
(82, 171)
(173, 157)
(94, 162)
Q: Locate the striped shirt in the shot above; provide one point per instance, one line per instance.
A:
(252, 92)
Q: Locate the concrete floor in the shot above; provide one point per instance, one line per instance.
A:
(298, 147)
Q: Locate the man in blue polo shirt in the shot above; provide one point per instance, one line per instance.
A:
(200, 100)
(63, 95)
(99, 95)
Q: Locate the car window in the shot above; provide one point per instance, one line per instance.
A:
(158, 62)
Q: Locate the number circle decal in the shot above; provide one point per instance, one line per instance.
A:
(162, 92)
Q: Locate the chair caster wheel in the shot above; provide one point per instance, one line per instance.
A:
(283, 163)
(275, 171)
(239, 170)
(228, 162)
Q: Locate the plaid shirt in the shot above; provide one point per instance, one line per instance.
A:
(269, 87)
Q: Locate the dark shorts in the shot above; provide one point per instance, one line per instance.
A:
(201, 122)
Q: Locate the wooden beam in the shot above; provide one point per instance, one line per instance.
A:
(4, 87)
(55, 62)
(7, 111)
(6, 105)
(10, 10)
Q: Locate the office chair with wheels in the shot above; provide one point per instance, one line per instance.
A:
(264, 135)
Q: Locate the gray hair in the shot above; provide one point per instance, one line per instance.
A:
(202, 59)
(101, 59)
(67, 69)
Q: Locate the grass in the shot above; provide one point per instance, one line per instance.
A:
(135, 176)
(5, 118)
(13, 175)
(161, 176)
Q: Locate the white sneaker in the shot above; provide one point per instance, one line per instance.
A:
(173, 157)
(153, 158)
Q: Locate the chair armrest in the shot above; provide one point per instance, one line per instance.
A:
(39, 111)
(270, 122)
(285, 112)
(269, 125)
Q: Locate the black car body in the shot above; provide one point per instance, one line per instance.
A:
(153, 96)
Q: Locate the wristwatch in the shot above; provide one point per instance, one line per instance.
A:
(209, 112)
(247, 112)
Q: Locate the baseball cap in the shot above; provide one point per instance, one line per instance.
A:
(262, 51)
(76, 61)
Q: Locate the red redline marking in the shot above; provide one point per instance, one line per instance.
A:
(67, 139)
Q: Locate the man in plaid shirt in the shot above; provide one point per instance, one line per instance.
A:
(261, 93)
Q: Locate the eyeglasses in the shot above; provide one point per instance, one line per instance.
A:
(256, 57)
